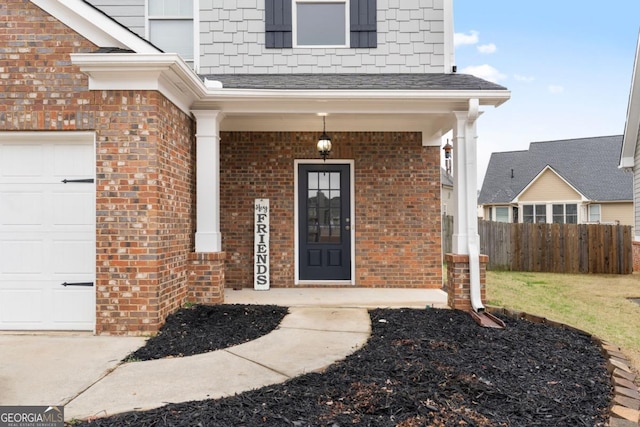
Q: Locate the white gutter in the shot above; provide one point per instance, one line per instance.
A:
(632, 125)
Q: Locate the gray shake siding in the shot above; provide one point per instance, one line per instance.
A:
(129, 13)
(410, 36)
(410, 39)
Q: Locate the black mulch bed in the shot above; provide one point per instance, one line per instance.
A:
(200, 328)
(425, 368)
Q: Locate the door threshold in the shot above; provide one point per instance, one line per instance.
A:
(325, 282)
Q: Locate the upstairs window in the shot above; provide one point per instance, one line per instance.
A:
(171, 27)
(320, 23)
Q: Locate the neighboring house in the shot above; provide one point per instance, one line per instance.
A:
(572, 181)
(630, 153)
(447, 192)
(128, 175)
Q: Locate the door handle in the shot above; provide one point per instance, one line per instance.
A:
(346, 227)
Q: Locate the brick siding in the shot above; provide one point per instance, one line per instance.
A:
(145, 152)
(397, 198)
(458, 285)
(636, 256)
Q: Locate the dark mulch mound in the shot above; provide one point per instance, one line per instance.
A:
(204, 328)
(425, 368)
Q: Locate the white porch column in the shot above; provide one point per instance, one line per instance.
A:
(465, 185)
(208, 237)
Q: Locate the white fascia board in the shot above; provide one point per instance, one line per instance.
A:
(94, 26)
(632, 125)
(533, 181)
(164, 72)
(485, 97)
(334, 102)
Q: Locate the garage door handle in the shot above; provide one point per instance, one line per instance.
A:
(84, 181)
(65, 284)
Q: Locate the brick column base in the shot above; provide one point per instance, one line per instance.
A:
(636, 256)
(458, 285)
(206, 277)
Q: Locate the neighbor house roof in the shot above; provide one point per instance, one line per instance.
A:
(428, 81)
(590, 165)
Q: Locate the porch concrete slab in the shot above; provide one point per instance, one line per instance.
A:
(51, 369)
(340, 297)
(139, 386)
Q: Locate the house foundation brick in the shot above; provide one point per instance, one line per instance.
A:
(458, 285)
(636, 256)
(206, 278)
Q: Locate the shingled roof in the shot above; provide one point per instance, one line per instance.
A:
(590, 165)
(427, 81)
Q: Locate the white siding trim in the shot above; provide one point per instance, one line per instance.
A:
(94, 26)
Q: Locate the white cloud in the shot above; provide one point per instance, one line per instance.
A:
(460, 39)
(556, 89)
(487, 48)
(484, 71)
(525, 79)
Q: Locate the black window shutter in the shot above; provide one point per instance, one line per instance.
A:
(278, 26)
(363, 23)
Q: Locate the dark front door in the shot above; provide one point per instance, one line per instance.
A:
(325, 225)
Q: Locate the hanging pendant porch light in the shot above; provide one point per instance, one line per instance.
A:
(324, 143)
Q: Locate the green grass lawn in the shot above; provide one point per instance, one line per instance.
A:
(598, 304)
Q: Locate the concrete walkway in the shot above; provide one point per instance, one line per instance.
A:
(309, 339)
(84, 373)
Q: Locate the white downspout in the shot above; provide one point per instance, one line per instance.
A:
(472, 188)
(466, 239)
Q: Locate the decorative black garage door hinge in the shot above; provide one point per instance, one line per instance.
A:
(84, 181)
(65, 284)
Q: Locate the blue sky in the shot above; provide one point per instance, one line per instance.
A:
(568, 64)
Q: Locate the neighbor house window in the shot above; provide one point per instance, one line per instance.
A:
(534, 214)
(594, 213)
(320, 23)
(171, 27)
(502, 214)
(565, 214)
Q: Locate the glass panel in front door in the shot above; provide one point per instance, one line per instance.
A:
(324, 207)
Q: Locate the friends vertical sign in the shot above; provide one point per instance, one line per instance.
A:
(261, 246)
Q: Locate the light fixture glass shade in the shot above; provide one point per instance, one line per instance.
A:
(324, 145)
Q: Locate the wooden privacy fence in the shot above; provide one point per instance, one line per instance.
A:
(553, 248)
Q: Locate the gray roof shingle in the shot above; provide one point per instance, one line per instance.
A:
(590, 165)
(428, 81)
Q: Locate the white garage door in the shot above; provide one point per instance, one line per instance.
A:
(47, 231)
